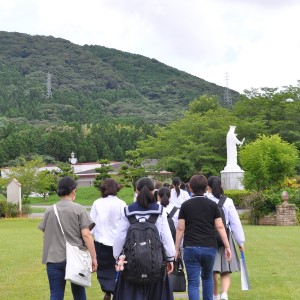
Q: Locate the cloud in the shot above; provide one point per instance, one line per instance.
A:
(256, 42)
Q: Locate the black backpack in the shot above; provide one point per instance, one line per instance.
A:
(144, 251)
(218, 237)
(171, 222)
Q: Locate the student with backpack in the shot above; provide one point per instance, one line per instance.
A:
(224, 268)
(145, 239)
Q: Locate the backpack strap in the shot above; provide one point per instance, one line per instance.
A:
(153, 218)
(132, 219)
(172, 212)
(222, 201)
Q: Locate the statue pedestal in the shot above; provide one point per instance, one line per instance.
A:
(231, 178)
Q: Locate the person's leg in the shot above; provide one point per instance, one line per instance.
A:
(225, 282)
(78, 292)
(192, 267)
(56, 277)
(216, 284)
(207, 263)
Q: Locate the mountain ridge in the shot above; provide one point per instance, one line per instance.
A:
(91, 82)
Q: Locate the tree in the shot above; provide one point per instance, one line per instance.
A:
(30, 177)
(198, 140)
(182, 168)
(267, 162)
(103, 173)
(134, 170)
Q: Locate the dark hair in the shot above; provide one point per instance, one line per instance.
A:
(144, 187)
(158, 185)
(182, 185)
(109, 187)
(187, 187)
(164, 193)
(214, 182)
(198, 184)
(65, 186)
(176, 183)
(166, 185)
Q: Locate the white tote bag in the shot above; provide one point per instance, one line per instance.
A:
(79, 262)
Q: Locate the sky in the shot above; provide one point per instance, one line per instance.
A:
(241, 44)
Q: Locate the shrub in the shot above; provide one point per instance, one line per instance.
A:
(237, 196)
(26, 209)
(261, 203)
(294, 196)
(267, 162)
(3, 208)
(12, 210)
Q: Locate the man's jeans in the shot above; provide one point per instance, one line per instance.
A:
(56, 277)
(199, 261)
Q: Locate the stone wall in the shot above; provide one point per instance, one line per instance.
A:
(285, 215)
(270, 219)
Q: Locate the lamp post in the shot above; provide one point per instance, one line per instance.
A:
(73, 161)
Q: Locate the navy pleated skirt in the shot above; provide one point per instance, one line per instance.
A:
(129, 291)
(106, 272)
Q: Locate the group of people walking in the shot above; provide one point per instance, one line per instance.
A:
(111, 224)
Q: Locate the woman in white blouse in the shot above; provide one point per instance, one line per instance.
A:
(178, 195)
(221, 266)
(106, 212)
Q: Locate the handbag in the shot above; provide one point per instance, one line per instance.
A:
(177, 277)
(79, 262)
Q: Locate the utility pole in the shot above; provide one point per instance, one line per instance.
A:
(49, 88)
(227, 96)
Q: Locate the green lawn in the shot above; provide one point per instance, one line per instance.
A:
(272, 255)
(84, 196)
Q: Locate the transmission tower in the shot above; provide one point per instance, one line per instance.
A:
(49, 88)
(227, 96)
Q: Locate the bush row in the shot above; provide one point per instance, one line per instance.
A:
(11, 210)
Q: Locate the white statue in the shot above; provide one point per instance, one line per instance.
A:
(231, 142)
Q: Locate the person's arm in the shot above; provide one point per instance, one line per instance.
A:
(120, 236)
(179, 234)
(235, 224)
(221, 230)
(89, 242)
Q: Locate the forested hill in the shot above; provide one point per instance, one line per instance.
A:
(89, 83)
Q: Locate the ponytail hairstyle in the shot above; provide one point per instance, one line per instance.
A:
(214, 182)
(145, 186)
(164, 193)
(176, 183)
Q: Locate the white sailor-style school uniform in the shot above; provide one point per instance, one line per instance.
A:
(158, 291)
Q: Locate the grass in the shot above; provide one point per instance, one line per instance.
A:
(271, 256)
(85, 196)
